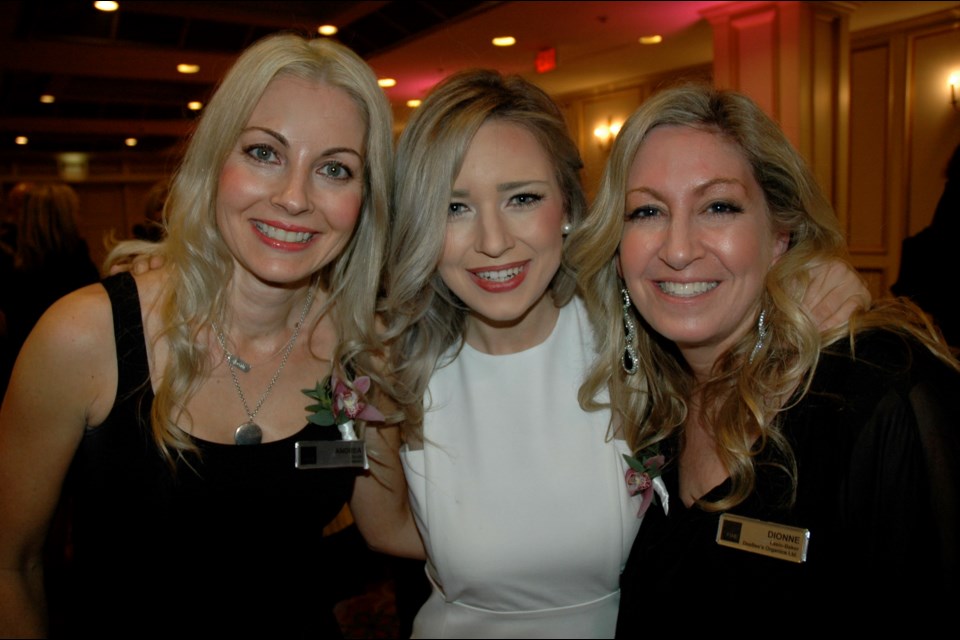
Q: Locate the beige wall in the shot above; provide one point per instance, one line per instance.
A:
(902, 132)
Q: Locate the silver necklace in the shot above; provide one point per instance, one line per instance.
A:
(250, 432)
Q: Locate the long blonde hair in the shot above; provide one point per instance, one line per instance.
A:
(425, 319)
(743, 396)
(200, 263)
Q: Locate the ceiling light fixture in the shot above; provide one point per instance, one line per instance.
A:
(195, 105)
(387, 82)
(327, 30)
(651, 39)
(21, 140)
(130, 142)
(413, 104)
(504, 41)
(103, 5)
(47, 99)
(188, 68)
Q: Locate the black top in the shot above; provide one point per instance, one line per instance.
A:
(231, 544)
(877, 445)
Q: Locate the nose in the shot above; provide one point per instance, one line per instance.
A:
(681, 244)
(493, 234)
(293, 193)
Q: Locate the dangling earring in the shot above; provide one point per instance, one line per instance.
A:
(629, 357)
(566, 228)
(761, 335)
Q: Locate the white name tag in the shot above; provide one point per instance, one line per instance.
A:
(766, 538)
(330, 454)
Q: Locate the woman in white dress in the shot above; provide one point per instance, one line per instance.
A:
(519, 494)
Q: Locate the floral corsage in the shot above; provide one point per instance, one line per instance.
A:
(643, 478)
(340, 404)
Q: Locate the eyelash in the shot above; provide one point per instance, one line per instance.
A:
(727, 208)
(719, 208)
(339, 166)
(643, 213)
(254, 150)
(531, 199)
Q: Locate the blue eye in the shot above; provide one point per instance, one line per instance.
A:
(261, 152)
(456, 209)
(336, 170)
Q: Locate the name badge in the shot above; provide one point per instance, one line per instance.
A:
(766, 538)
(331, 454)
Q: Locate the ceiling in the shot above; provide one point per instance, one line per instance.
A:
(113, 75)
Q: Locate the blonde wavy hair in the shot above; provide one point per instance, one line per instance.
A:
(741, 398)
(199, 262)
(424, 318)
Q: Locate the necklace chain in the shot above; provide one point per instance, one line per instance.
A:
(234, 362)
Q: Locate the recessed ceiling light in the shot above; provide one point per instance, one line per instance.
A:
(327, 30)
(130, 142)
(103, 5)
(651, 39)
(188, 68)
(504, 41)
(413, 104)
(195, 105)
(387, 82)
(21, 140)
(47, 99)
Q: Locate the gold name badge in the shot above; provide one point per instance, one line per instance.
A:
(766, 538)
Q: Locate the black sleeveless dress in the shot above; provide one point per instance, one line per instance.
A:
(228, 544)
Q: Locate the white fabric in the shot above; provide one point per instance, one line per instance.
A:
(520, 496)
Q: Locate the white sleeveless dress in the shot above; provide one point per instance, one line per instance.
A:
(520, 496)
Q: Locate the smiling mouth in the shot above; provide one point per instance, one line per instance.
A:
(499, 275)
(686, 289)
(283, 235)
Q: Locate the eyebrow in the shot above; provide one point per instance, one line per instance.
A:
(700, 189)
(282, 139)
(502, 187)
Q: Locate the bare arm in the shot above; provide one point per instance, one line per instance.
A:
(835, 292)
(58, 387)
(380, 506)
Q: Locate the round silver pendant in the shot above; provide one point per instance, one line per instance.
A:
(248, 433)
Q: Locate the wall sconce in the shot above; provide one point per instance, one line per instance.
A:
(605, 133)
(954, 79)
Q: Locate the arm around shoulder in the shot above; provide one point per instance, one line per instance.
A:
(64, 380)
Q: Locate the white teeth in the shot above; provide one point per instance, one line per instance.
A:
(282, 235)
(686, 289)
(501, 275)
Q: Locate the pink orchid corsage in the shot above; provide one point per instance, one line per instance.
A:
(643, 479)
(340, 404)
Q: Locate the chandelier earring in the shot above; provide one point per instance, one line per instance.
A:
(629, 358)
(761, 335)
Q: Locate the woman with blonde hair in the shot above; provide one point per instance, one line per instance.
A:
(814, 465)
(175, 399)
(508, 478)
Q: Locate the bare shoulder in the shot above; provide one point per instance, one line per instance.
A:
(72, 349)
